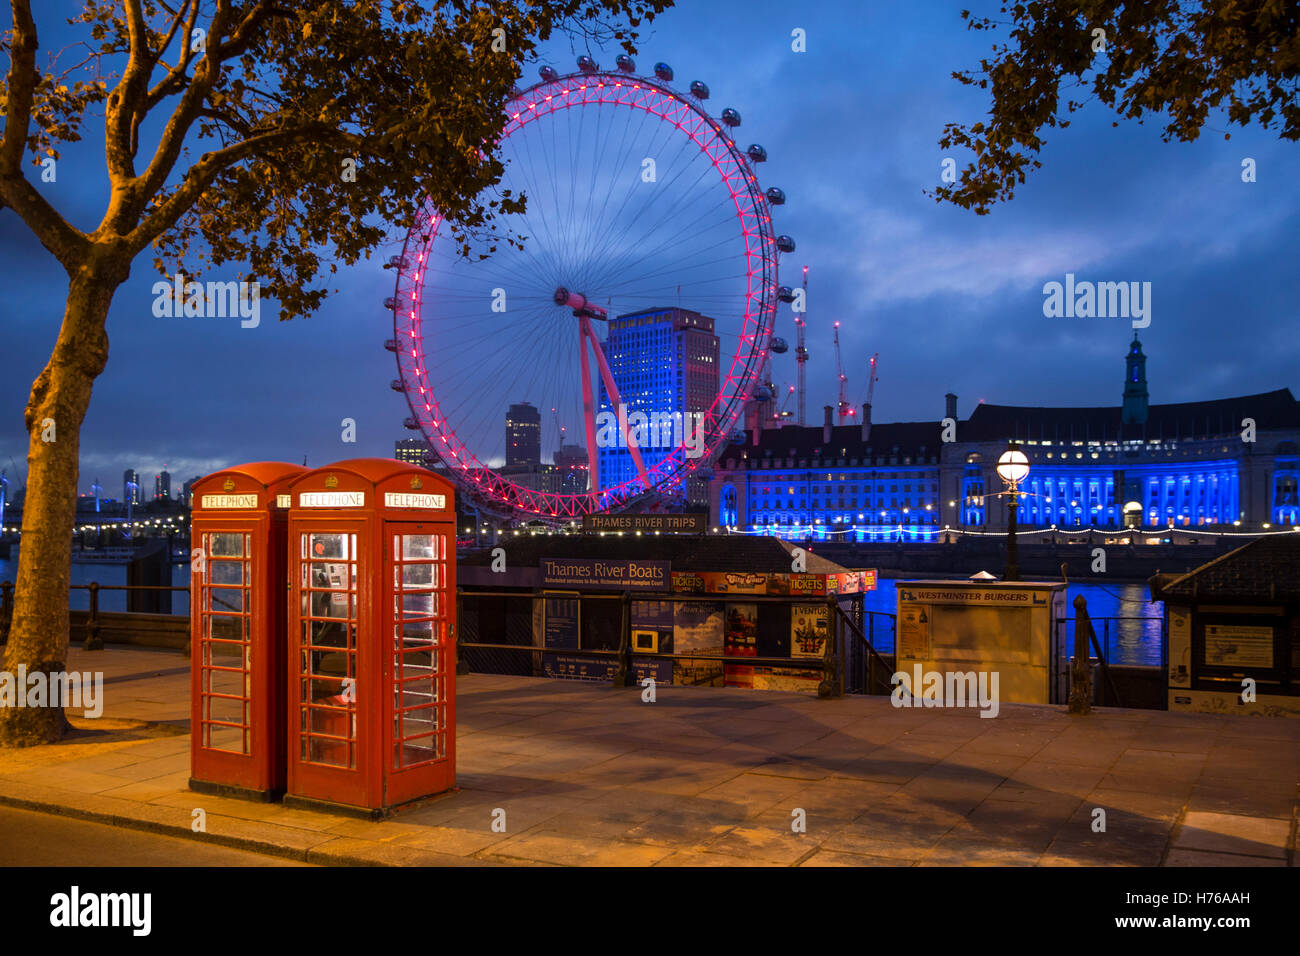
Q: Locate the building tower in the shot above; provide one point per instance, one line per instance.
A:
(162, 486)
(412, 451)
(665, 362)
(523, 435)
(1135, 385)
(131, 487)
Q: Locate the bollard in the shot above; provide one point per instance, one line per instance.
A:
(1081, 665)
(6, 609)
(93, 641)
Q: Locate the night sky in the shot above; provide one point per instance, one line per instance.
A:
(950, 300)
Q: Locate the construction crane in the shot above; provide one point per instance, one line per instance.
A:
(783, 410)
(871, 377)
(801, 353)
(845, 409)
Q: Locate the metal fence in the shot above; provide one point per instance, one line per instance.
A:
(94, 617)
(866, 669)
(1115, 641)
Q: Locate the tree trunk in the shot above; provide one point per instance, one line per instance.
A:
(38, 635)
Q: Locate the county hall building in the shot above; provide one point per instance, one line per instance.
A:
(1228, 464)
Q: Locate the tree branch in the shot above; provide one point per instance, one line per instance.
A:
(176, 75)
(65, 243)
(202, 173)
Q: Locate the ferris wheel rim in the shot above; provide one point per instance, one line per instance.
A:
(736, 384)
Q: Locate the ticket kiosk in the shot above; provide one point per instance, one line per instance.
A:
(238, 581)
(372, 712)
(980, 628)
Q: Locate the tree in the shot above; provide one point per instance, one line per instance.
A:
(1176, 59)
(283, 101)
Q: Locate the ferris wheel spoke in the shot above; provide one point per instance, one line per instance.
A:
(674, 234)
(616, 236)
(534, 196)
(565, 221)
(670, 268)
(478, 382)
(671, 226)
(625, 158)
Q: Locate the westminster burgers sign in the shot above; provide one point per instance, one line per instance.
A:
(605, 575)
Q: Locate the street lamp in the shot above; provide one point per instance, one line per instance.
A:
(1013, 466)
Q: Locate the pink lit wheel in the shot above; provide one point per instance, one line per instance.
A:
(643, 215)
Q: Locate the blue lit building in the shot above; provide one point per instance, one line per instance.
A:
(1220, 464)
(665, 362)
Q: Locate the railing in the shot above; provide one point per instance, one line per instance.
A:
(1081, 631)
(1113, 633)
(1107, 637)
(94, 617)
(867, 672)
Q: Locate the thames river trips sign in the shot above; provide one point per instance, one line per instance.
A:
(679, 523)
(607, 575)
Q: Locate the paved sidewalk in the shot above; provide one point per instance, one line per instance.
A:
(589, 775)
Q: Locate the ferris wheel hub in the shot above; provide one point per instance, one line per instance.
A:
(580, 304)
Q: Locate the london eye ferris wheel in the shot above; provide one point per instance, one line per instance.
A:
(640, 209)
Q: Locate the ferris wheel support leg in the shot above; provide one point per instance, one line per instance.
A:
(589, 410)
(617, 401)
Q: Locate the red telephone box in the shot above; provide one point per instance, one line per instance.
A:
(372, 613)
(238, 579)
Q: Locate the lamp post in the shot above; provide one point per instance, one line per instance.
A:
(1013, 466)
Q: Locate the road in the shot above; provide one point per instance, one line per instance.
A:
(42, 839)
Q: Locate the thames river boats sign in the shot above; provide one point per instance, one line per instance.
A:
(605, 575)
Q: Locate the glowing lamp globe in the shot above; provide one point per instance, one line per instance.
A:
(1013, 466)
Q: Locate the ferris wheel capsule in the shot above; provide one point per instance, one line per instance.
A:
(776, 196)
(779, 345)
(548, 74)
(699, 90)
(396, 385)
(664, 72)
(763, 394)
(625, 63)
(731, 117)
(586, 64)
(785, 294)
(785, 243)
(757, 153)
